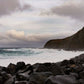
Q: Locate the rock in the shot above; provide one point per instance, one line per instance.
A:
(1, 80)
(79, 59)
(81, 81)
(76, 69)
(26, 69)
(71, 62)
(75, 75)
(11, 68)
(2, 68)
(54, 68)
(22, 76)
(67, 71)
(10, 81)
(21, 82)
(20, 65)
(30, 69)
(64, 63)
(39, 77)
(61, 79)
(5, 76)
(81, 74)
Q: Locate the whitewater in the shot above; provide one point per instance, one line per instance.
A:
(33, 55)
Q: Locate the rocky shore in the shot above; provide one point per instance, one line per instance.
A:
(64, 72)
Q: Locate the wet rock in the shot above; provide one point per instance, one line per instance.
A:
(79, 59)
(81, 81)
(64, 63)
(30, 69)
(81, 74)
(5, 76)
(21, 82)
(54, 68)
(22, 76)
(1, 80)
(1, 68)
(62, 79)
(71, 61)
(39, 77)
(11, 68)
(75, 75)
(20, 65)
(10, 81)
(67, 71)
(76, 69)
(27, 68)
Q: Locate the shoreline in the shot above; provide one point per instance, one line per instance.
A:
(44, 56)
(63, 72)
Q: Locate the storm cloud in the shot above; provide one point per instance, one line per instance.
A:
(9, 6)
(72, 9)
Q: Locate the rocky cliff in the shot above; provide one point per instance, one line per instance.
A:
(74, 42)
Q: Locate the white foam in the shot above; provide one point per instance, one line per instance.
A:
(45, 55)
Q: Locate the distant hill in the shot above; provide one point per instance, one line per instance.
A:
(74, 42)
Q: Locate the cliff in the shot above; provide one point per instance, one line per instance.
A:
(74, 42)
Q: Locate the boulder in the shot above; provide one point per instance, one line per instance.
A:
(39, 77)
(10, 81)
(62, 79)
(81, 81)
(54, 68)
(20, 65)
(22, 76)
(1, 80)
(5, 76)
(21, 82)
(81, 74)
(64, 63)
(11, 68)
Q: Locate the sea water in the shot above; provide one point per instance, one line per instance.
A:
(33, 55)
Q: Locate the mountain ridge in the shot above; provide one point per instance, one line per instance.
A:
(74, 42)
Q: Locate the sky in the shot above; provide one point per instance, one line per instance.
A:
(31, 23)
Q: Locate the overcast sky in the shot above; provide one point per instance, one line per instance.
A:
(31, 23)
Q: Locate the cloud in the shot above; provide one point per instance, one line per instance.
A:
(71, 9)
(13, 38)
(15, 34)
(9, 6)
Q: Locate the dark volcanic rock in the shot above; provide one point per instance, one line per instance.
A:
(1, 80)
(10, 81)
(11, 68)
(81, 74)
(49, 67)
(62, 79)
(74, 42)
(39, 77)
(21, 82)
(22, 76)
(20, 65)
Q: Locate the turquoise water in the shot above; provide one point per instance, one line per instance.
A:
(19, 52)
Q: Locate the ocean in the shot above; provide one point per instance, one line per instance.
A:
(34, 55)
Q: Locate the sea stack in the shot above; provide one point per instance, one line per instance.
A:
(74, 42)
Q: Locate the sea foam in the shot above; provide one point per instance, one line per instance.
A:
(31, 55)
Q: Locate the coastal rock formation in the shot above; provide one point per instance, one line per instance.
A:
(74, 42)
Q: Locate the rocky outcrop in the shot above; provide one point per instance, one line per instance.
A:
(64, 72)
(74, 42)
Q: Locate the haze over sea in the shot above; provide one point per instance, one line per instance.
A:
(34, 55)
